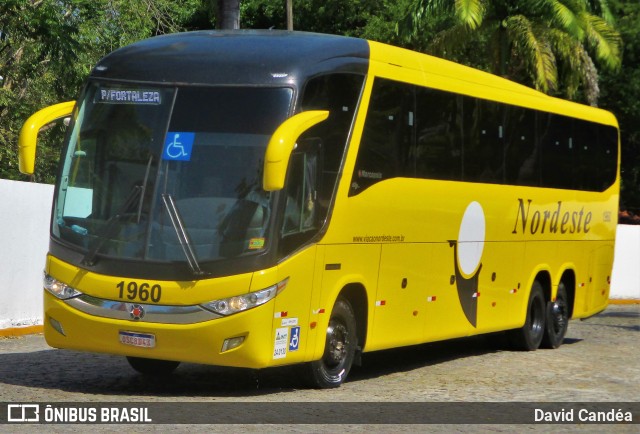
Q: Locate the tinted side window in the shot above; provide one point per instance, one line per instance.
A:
(339, 94)
(315, 164)
(483, 144)
(439, 135)
(557, 151)
(607, 156)
(596, 155)
(585, 170)
(521, 146)
(426, 133)
(385, 149)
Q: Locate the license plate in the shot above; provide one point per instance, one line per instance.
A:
(144, 340)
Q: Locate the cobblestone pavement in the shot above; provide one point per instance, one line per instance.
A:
(597, 362)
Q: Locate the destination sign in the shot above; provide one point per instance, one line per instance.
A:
(121, 96)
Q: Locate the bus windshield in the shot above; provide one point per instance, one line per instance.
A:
(168, 174)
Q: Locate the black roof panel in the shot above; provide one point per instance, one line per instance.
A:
(234, 57)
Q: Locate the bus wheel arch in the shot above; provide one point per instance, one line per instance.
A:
(558, 312)
(341, 342)
(569, 281)
(356, 294)
(530, 335)
(351, 309)
(544, 279)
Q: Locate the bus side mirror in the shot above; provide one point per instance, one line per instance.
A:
(281, 145)
(29, 132)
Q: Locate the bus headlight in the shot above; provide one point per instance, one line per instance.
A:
(239, 303)
(59, 289)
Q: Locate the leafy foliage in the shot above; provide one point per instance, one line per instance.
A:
(621, 94)
(372, 19)
(565, 47)
(548, 44)
(48, 47)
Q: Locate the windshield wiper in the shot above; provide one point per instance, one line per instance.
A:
(144, 188)
(105, 233)
(181, 232)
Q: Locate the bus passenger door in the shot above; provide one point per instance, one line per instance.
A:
(302, 218)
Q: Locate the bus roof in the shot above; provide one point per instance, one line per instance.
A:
(285, 58)
(254, 57)
(446, 75)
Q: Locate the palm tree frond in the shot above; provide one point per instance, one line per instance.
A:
(545, 43)
(470, 12)
(567, 16)
(537, 52)
(410, 24)
(605, 40)
(578, 70)
(450, 40)
(601, 8)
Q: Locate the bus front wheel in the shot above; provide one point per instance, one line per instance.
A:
(340, 348)
(529, 337)
(152, 367)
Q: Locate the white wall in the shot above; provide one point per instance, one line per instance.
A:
(25, 210)
(24, 241)
(625, 278)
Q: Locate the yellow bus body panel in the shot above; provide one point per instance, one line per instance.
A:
(399, 249)
(193, 342)
(414, 299)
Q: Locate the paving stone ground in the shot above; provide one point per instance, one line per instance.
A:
(597, 362)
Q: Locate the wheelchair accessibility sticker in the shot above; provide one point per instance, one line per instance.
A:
(294, 340)
(287, 339)
(178, 146)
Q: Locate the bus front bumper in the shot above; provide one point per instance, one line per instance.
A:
(199, 342)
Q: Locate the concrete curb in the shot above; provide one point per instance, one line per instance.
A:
(21, 331)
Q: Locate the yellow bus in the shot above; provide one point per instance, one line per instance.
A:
(263, 198)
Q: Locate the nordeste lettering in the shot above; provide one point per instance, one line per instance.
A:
(551, 220)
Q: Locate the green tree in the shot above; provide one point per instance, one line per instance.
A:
(371, 19)
(47, 49)
(38, 40)
(552, 45)
(621, 95)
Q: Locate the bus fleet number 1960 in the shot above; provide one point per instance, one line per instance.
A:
(142, 292)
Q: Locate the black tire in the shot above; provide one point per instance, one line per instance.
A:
(557, 319)
(152, 367)
(340, 348)
(529, 337)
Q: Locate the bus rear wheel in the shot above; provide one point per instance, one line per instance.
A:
(529, 337)
(340, 348)
(152, 367)
(557, 319)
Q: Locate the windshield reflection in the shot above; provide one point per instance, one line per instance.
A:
(199, 149)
